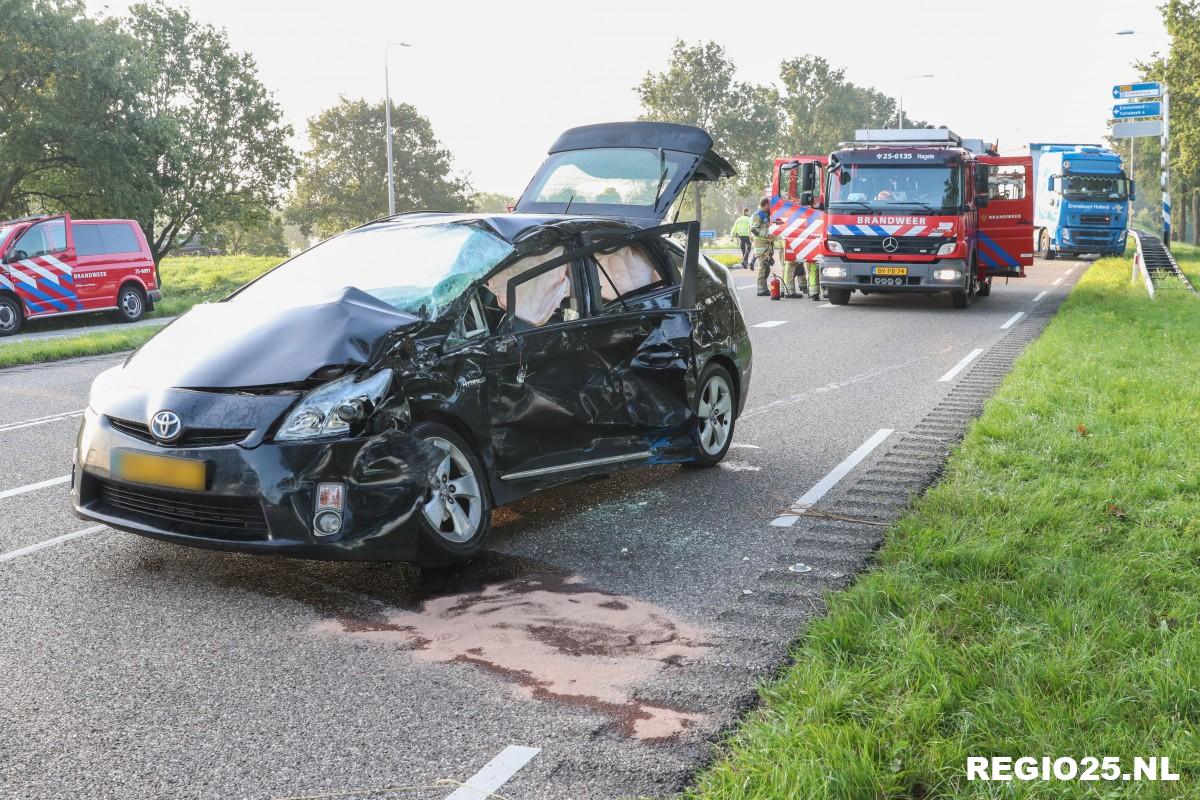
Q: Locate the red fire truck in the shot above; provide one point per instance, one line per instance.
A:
(796, 216)
(919, 211)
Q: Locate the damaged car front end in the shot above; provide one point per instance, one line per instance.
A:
(375, 397)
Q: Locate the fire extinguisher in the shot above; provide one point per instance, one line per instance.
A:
(775, 286)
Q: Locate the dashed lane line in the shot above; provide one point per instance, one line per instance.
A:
(495, 773)
(771, 323)
(1012, 320)
(960, 366)
(57, 540)
(29, 423)
(33, 487)
(809, 498)
(1057, 282)
(1040, 296)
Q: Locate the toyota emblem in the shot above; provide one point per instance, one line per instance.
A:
(166, 426)
(891, 244)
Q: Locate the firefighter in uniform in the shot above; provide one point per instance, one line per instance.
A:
(789, 277)
(814, 279)
(763, 244)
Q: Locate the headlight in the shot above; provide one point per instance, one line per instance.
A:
(318, 413)
(834, 246)
(1066, 233)
(947, 248)
(833, 272)
(946, 274)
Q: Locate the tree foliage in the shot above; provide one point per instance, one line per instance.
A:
(343, 177)
(220, 150)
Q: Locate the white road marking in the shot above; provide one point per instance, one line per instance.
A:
(1057, 282)
(742, 446)
(1040, 296)
(1012, 320)
(800, 397)
(827, 305)
(29, 423)
(738, 466)
(960, 366)
(495, 773)
(1072, 269)
(771, 323)
(809, 498)
(33, 487)
(747, 286)
(33, 548)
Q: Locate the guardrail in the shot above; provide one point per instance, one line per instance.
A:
(1156, 265)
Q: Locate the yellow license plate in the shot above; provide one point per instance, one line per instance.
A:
(891, 270)
(173, 473)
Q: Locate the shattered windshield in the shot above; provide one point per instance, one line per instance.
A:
(1094, 187)
(888, 187)
(418, 269)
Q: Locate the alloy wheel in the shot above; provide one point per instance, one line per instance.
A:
(715, 412)
(454, 508)
(8, 318)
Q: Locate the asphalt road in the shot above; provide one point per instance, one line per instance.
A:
(615, 627)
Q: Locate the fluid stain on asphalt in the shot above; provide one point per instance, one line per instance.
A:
(553, 638)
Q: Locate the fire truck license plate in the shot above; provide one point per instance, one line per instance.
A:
(891, 270)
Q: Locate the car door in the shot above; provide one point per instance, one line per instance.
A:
(1005, 226)
(795, 205)
(41, 267)
(567, 377)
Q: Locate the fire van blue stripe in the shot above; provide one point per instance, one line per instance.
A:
(45, 298)
(1000, 251)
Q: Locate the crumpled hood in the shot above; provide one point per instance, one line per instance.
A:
(232, 345)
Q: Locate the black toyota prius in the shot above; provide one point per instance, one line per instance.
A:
(376, 396)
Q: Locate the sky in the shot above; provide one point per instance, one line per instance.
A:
(499, 80)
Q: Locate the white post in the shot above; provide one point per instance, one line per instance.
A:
(387, 115)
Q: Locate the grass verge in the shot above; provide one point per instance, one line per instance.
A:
(1042, 600)
(186, 282)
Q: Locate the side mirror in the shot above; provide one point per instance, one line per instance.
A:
(981, 201)
(981, 180)
(806, 198)
(15, 255)
(1050, 184)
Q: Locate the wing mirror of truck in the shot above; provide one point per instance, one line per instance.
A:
(1050, 184)
(806, 198)
(981, 201)
(808, 177)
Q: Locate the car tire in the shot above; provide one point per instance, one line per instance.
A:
(962, 298)
(455, 516)
(984, 289)
(11, 317)
(838, 297)
(715, 407)
(131, 303)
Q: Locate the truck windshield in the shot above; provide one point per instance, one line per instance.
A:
(884, 187)
(418, 269)
(1095, 187)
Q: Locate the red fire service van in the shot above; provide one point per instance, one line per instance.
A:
(919, 211)
(53, 266)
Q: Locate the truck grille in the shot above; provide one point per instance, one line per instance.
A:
(191, 437)
(908, 245)
(1091, 237)
(1094, 219)
(206, 515)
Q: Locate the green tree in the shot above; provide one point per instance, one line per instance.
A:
(71, 131)
(217, 151)
(343, 177)
(700, 87)
(259, 235)
(491, 202)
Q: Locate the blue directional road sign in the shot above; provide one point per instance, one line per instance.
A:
(1129, 90)
(1137, 110)
(706, 234)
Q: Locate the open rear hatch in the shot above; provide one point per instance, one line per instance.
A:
(631, 171)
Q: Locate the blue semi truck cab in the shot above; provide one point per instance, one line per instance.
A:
(1081, 200)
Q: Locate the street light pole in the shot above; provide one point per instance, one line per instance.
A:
(902, 81)
(387, 116)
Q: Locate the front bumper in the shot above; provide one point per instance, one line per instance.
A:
(1092, 240)
(919, 279)
(262, 499)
